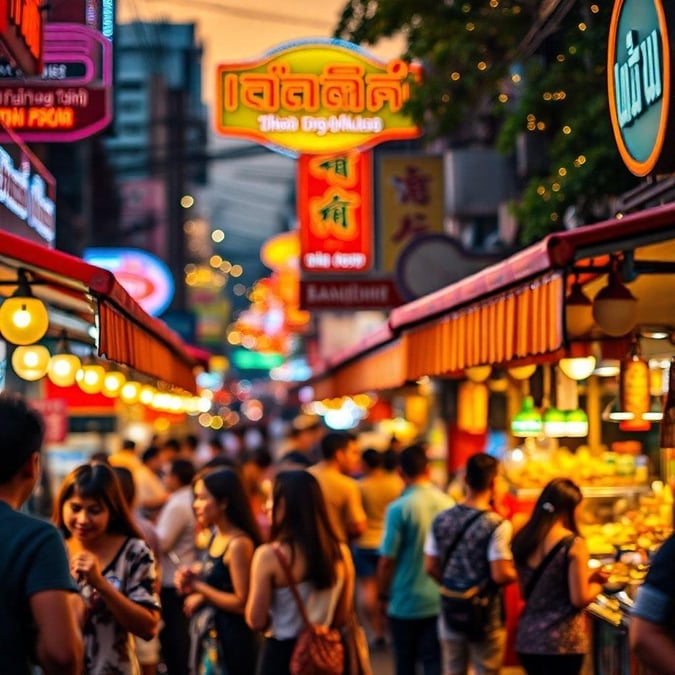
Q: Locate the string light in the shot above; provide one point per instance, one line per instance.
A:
(455, 76)
(582, 26)
(503, 98)
(567, 130)
(555, 187)
(470, 27)
(562, 171)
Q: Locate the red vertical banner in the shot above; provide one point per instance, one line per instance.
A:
(335, 213)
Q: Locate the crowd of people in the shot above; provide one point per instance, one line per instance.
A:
(161, 562)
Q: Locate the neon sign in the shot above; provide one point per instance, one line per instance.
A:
(316, 96)
(21, 31)
(58, 108)
(639, 84)
(28, 193)
(336, 232)
(145, 277)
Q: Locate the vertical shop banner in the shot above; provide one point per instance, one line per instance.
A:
(410, 203)
(334, 210)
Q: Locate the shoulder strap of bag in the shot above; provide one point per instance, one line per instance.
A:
(541, 568)
(291, 583)
(458, 538)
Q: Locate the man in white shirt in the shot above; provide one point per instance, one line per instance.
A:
(176, 532)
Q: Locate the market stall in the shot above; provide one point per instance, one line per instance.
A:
(573, 338)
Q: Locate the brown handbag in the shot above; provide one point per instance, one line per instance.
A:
(319, 649)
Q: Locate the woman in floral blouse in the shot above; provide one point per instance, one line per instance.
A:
(113, 566)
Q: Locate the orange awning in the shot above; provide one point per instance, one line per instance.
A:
(127, 334)
(509, 313)
(518, 324)
(375, 363)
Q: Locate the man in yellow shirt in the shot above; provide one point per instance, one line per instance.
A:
(341, 458)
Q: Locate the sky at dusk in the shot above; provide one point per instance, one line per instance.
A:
(243, 29)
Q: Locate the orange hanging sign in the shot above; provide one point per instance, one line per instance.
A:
(334, 209)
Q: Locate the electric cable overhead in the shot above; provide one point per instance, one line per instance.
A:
(257, 15)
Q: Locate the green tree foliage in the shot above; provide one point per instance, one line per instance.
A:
(484, 63)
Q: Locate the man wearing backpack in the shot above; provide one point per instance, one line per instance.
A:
(407, 594)
(468, 551)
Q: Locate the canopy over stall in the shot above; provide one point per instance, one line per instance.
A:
(514, 311)
(80, 295)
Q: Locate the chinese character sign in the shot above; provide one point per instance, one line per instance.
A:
(336, 233)
(411, 202)
(316, 96)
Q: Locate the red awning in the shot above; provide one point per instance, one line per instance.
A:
(127, 334)
(554, 252)
(510, 312)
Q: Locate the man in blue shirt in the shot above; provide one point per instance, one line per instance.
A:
(652, 622)
(409, 596)
(38, 622)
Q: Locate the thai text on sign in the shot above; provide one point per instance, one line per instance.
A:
(335, 212)
(638, 78)
(316, 96)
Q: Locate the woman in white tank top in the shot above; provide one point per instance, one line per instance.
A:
(321, 568)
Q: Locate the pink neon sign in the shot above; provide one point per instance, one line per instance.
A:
(63, 110)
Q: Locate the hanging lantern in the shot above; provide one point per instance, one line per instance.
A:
(478, 373)
(634, 395)
(130, 392)
(576, 423)
(579, 368)
(527, 421)
(23, 318)
(554, 423)
(113, 381)
(578, 312)
(522, 372)
(615, 307)
(89, 376)
(30, 362)
(63, 365)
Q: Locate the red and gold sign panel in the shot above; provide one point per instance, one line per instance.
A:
(411, 202)
(334, 210)
(316, 96)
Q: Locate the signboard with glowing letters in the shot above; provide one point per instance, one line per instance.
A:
(336, 232)
(27, 194)
(316, 96)
(639, 84)
(73, 100)
(21, 33)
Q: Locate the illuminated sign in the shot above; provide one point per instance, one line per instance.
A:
(410, 202)
(61, 109)
(28, 195)
(21, 32)
(316, 96)
(639, 84)
(145, 277)
(334, 210)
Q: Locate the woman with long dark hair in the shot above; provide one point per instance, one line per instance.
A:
(320, 566)
(552, 564)
(217, 593)
(113, 566)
